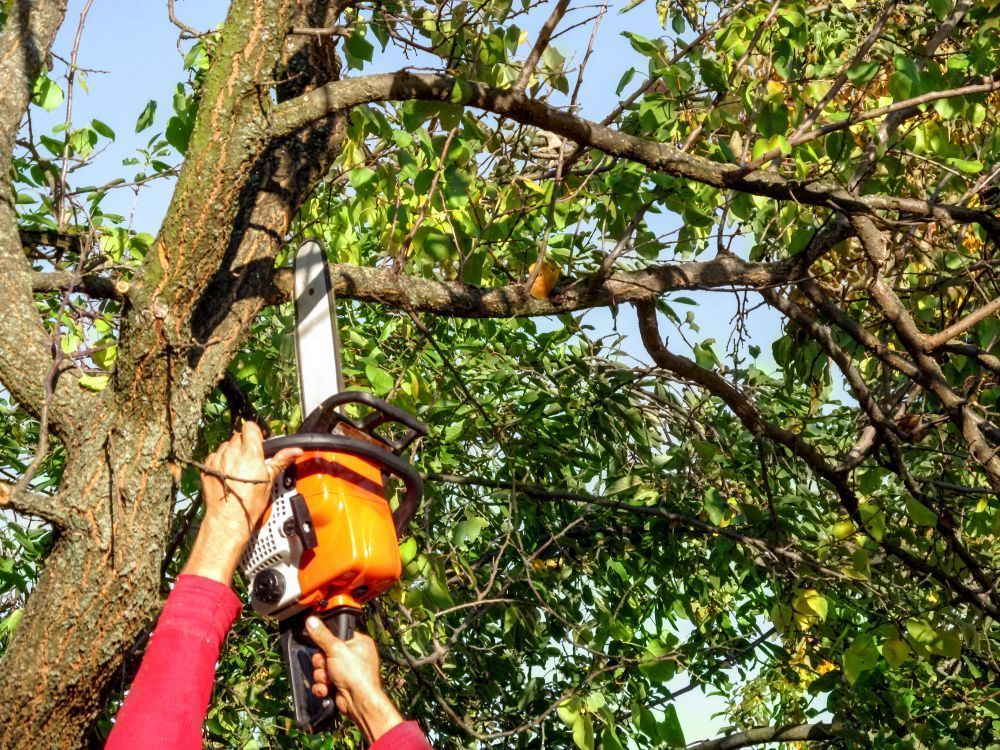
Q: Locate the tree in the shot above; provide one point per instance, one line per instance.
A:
(806, 533)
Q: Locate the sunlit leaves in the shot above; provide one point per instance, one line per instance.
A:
(146, 117)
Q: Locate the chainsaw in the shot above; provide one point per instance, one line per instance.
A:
(328, 542)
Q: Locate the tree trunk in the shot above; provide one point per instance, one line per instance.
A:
(186, 314)
(98, 590)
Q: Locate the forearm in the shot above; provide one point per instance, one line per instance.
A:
(167, 703)
(217, 550)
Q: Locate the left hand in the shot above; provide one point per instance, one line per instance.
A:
(236, 490)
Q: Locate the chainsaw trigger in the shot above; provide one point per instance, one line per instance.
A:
(302, 519)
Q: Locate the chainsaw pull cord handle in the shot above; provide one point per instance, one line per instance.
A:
(311, 713)
(390, 463)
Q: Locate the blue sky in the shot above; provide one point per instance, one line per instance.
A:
(135, 45)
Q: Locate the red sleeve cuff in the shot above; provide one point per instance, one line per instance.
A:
(405, 736)
(202, 603)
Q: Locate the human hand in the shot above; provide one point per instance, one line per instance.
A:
(351, 668)
(236, 487)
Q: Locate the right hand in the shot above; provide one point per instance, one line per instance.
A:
(351, 669)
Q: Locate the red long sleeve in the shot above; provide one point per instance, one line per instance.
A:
(169, 699)
(405, 736)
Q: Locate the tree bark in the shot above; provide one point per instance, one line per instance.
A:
(230, 213)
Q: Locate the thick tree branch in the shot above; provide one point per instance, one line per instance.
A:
(454, 298)
(959, 327)
(292, 115)
(47, 507)
(765, 735)
(91, 284)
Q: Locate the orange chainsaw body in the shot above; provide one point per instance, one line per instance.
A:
(357, 555)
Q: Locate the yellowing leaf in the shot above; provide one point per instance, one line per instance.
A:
(93, 382)
(810, 607)
(546, 280)
(843, 529)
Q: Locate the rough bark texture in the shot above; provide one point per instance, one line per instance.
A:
(236, 195)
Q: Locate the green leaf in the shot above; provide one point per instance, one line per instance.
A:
(461, 92)
(895, 652)
(468, 531)
(950, 108)
(860, 657)
(862, 72)
(583, 732)
(609, 740)
(873, 521)
(407, 550)
(971, 166)
(146, 117)
(704, 355)
(380, 380)
(670, 728)
(46, 93)
(361, 177)
(569, 711)
(358, 48)
(657, 664)
(178, 133)
(715, 506)
(103, 129)
(919, 513)
(105, 358)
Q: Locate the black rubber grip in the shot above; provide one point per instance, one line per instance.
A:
(325, 417)
(312, 714)
(389, 463)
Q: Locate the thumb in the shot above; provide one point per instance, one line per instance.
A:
(321, 635)
(281, 461)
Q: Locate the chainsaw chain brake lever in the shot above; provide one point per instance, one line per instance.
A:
(311, 713)
(388, 462)
(326, 417)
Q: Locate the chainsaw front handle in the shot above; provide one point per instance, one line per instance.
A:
(390, 463)
(327, 416)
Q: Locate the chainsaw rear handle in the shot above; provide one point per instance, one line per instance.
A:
(311, 713)
(390, 463)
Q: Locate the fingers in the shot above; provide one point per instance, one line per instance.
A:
(321, 635)
(319, 660)
(320, 690)
(320, 678)
(252, 440)
(281, 461)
